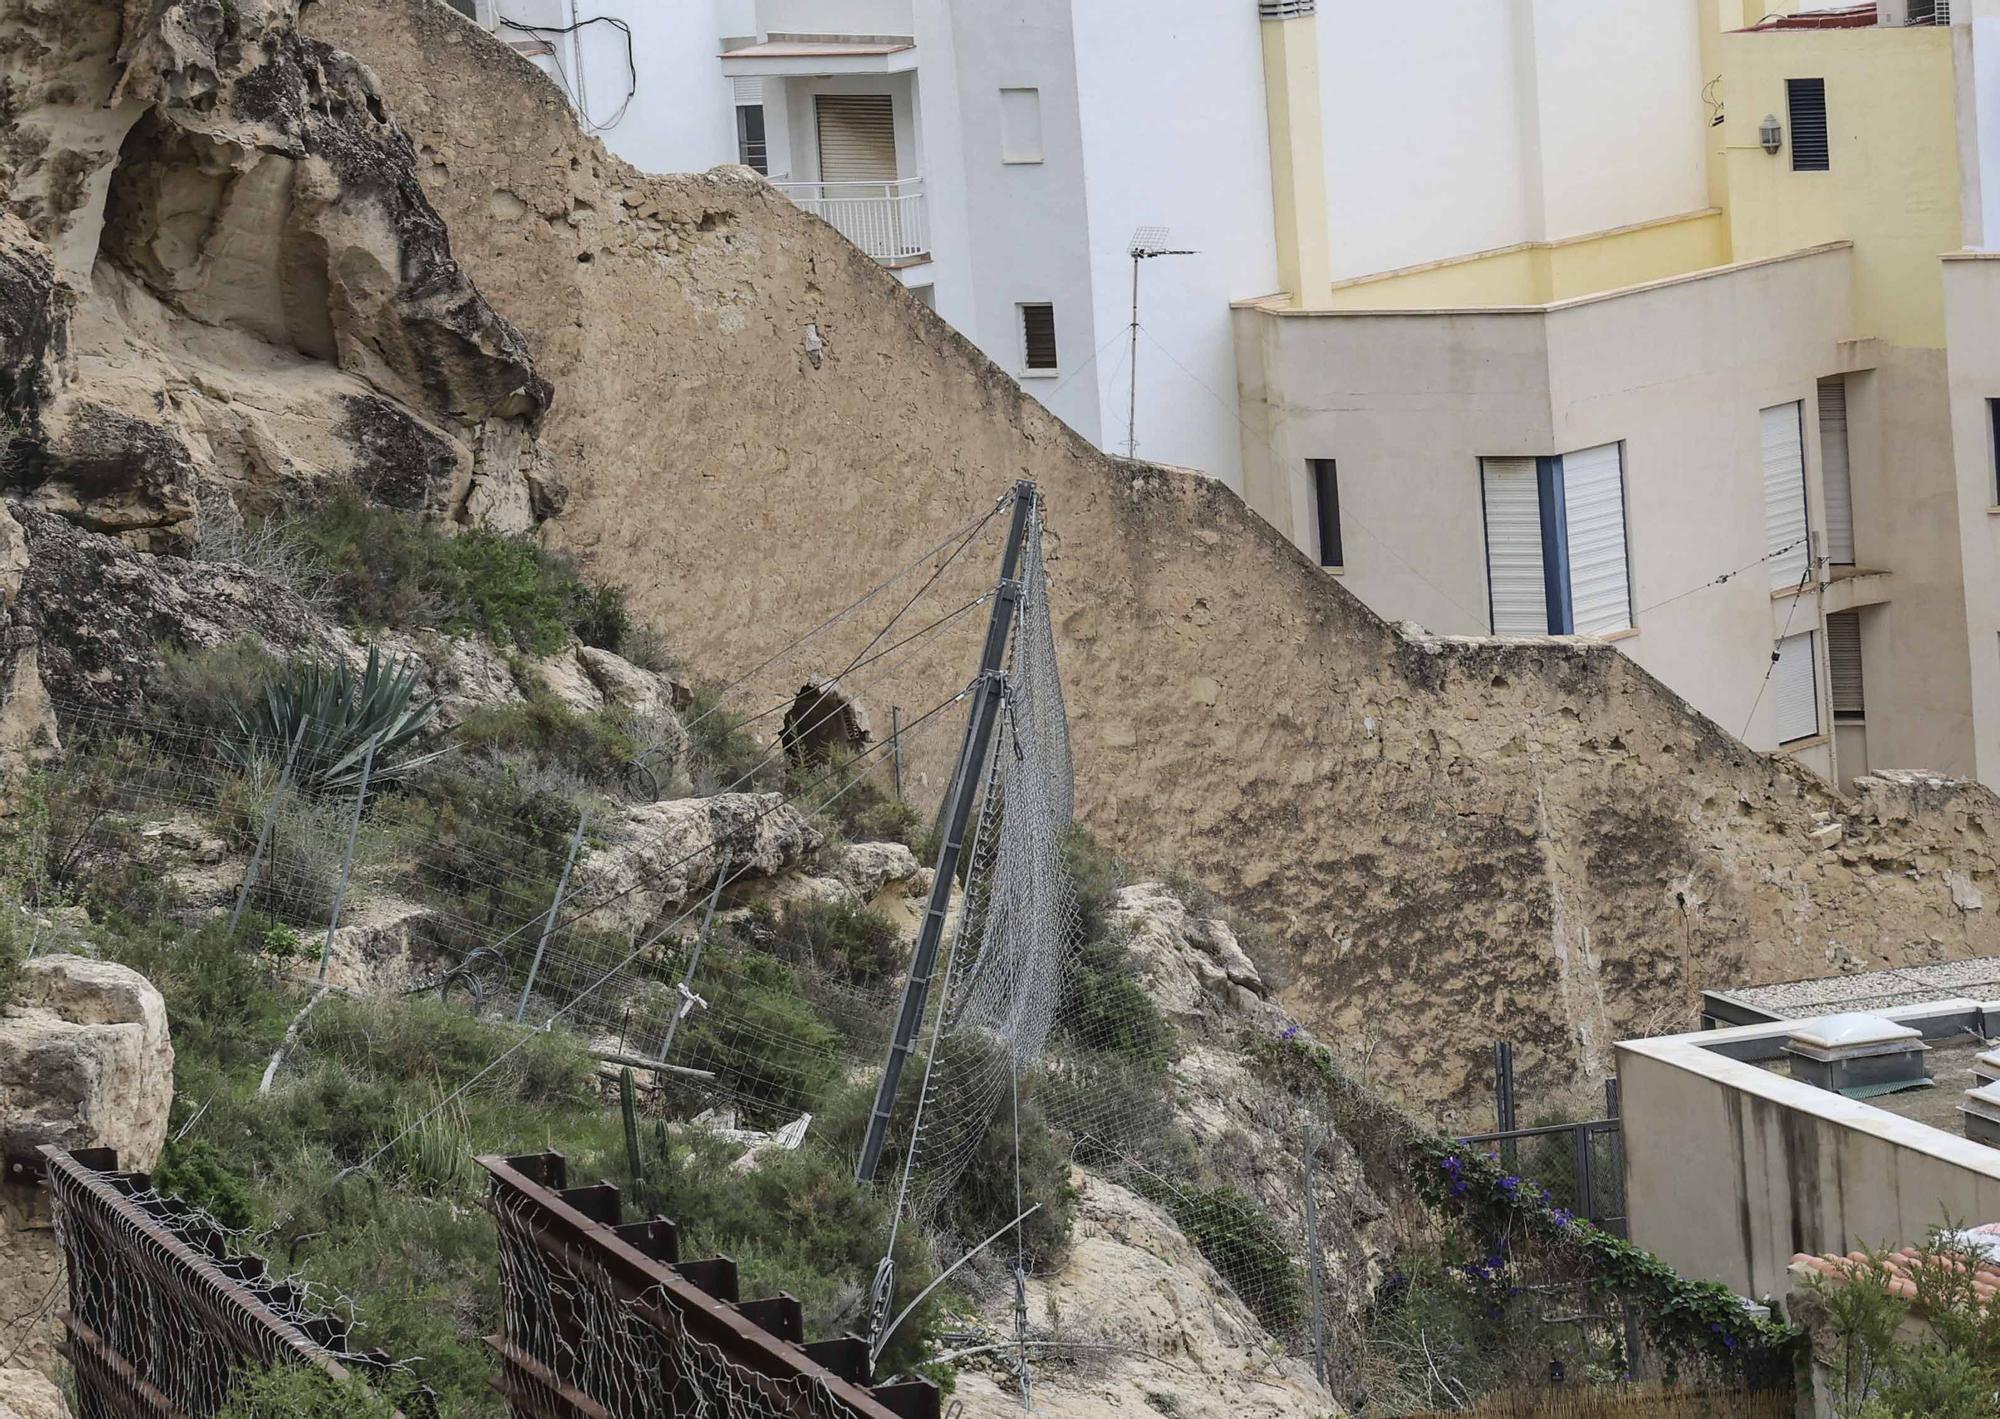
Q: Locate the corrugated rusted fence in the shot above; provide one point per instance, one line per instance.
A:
(166, 1313)
(603, 1319)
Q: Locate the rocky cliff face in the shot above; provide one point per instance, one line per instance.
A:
(762, 424)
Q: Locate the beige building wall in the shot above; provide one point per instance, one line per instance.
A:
(1408, 403)
(1972, 310)
(1730, 1169)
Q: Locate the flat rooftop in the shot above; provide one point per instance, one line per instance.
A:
(1873, 991)
(1950, 1063)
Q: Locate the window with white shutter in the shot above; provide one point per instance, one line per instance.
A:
(1843, 666)
(1593, 503)
(1785, 525)
(1835, 480)
(1517, 583)
(1795, 688)
(857, 137)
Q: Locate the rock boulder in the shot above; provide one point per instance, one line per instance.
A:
(85, 1061)
(657, 856)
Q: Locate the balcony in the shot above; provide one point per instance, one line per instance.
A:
(888, 220)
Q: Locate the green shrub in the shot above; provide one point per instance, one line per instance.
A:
(858, 806)
(392, 569)
(1097, 876)
(302, 1392)
(856, 945)
(211, 689)
(721, 755)
(595, 747)
(766, 1045)
(194, 1172)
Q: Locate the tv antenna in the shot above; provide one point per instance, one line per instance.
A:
(1147, 242)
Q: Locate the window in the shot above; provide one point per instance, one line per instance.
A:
(1786, 531)
(857, 138)
(751, 150)
(1795, 688)
(1020, 125)
(1326, 509)
(1843, 666)
(1555, 543)
(1805, 100)
(1929, 12)
(1993, 418)
(1038, 337)
(1835, 479)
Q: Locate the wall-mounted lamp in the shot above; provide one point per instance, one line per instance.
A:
(1771, 134)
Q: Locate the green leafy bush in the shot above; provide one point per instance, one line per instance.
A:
(391, 569)
(333, 716)
(301, 1392)
(859, 806)
(853, 944)
(544, 731)
(195, 1173)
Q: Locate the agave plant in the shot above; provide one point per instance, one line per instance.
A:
(333, 715)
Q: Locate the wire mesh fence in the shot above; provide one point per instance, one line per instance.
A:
(169, 1310)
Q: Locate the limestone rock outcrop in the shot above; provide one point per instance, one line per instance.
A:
(30, 1394)
(85, 1061)
(1155, 1332)
(656, 856)
(252, 299)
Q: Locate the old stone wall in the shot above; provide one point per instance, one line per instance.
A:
(1454, 839)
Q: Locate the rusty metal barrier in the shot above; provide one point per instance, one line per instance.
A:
(602, 1319)
(165, 1313)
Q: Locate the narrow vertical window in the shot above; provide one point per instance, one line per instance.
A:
(1038, 337)
(1835, 476)
(1326, 509)
(1843, 665)
(1795, 688)
(1516, 584)
(1806, 103)
(1786, 529)
(751, 149)
(1993, 418)
(1020, 125)
(1556, 559)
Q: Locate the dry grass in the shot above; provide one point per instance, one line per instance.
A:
(1593, 1402)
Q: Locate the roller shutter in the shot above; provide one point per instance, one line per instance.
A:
(857, 137)
(1516, 585)
(1594, 513)
(1795, 688)
(1834, 476)
(1843, 664)
(1785, 523)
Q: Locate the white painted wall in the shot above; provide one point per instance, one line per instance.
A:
(1622, 124)
(1025, 229)
(1466, 125)
(680, 118)
(1174, 135)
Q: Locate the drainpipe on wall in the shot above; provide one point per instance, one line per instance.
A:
(1298, 167)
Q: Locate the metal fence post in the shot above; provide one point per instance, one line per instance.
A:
(549, 921)
(1503, 1101)
(347, 859)
(1313, 1263)
(684, 1006)
(1585, 1205)
(264, 830)
(896, 746)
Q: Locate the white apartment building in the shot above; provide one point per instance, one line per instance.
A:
(1664, 321)
(998, 158)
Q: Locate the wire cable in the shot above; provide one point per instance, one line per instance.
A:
(575, 93)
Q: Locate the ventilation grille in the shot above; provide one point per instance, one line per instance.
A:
(1038, 336)
(1806, 100)
(1285, 9)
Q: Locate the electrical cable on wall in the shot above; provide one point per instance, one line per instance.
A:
(574, 91)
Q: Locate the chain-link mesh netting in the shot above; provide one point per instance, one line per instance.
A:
(167, 1304)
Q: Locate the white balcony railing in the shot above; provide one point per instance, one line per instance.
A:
(888, 220)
